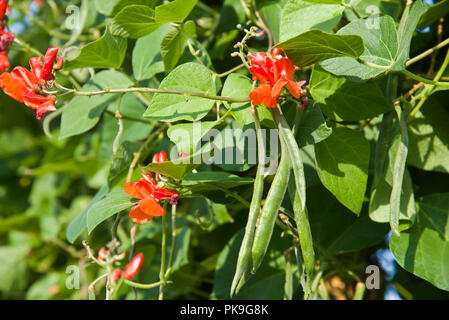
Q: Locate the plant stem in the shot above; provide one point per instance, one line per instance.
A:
(427, 53)
(424, 80)
(118, 116)
(428, 89)
(173, 242)
(163, 256)
(153, 90)
(143, 286)
(124, 117)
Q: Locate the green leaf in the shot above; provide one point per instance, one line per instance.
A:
(424, 249)
(186, 136)
(189, 28)
(189, 77)
(147, 59)
(435, 208)
(83, 112)
(239, 86)
(315, 45)
(391, 55)
(122, 160)
(172, 47)
(342, 99)
(105, 7)
(106, 52)
(134, 22)
(211, 180)
(13, 268)
(271, 13)
(233, 149)
(429, 137)
(124, 3)
(407, 27)
(434, 13)
(325, 1)
(182, 247)
(373, 31)
(312, 127)
(176, 169)
(348, 233)
(299, 16)
(41, 288)
(130, 106)
(114, 202)
(379, 206)
(78, 225)
(342, 165)
(175, 11)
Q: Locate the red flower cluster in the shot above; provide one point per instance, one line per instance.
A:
(25, 86)
(275, 73)
(6, 38)
(150, 193)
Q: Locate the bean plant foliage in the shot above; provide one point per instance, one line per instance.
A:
(232, 149)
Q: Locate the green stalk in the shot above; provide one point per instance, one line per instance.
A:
(244, 259)
(163, 256)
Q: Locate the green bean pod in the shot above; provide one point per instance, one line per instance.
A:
(265, 226)
(244, 258)
(305, 236)
(294, 155)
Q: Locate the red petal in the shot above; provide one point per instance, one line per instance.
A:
(133, 267)
(151, 207)
(138, 216)
(49, 61)
(277, 89)
(262, 95)
(12, 86)
(130, 188)
(27, 77)
(284, 68)
(162, 156)
(4, 62)
(36, 101)
(294, 89)
(144, 188)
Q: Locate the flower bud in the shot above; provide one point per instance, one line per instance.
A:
(116, 275)
(133, 267)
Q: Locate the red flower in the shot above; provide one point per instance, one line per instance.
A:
(160, 157)
(133, 267)
(4, 62)
(4, 9)
(275, 73)
(6, 38)
(150, 194)
(23, 85)
(43, 67)
(102, 254)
